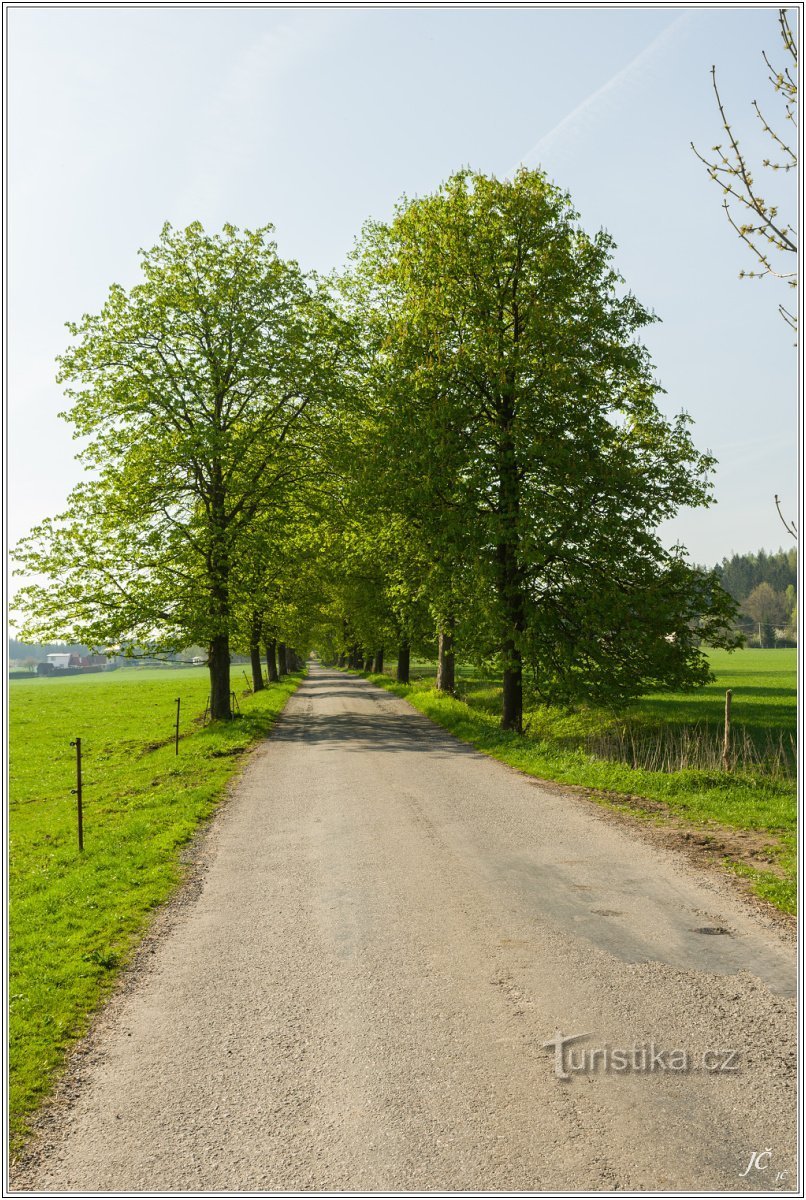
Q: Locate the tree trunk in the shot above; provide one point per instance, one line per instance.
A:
(254, 651)
(257, 667)
(342, 660)
(218, 662)
(218, 656)
(446, 662)
(403, 660)
(512, 705)
(377, 664)
(271, 660)
(509, 581)
(282, 661)
(367, 665)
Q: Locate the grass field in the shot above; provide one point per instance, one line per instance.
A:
(75, 918)
(626, 754)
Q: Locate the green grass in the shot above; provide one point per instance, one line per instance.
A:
(76, 918)
(558, 744)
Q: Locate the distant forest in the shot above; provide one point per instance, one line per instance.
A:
(765, 586)
(744, 572)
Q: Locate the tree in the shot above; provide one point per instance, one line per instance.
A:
(770, 237)
(769, 609)
(196, 391)
(792, 624)
(517, 388)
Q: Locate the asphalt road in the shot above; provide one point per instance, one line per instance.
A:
(389, 929)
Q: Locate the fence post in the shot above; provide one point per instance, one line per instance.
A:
(726, 743)
(178, 702)
(78, 793)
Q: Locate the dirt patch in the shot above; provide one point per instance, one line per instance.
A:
(150, 747)
(707, 846)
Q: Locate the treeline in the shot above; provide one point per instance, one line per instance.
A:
(451, 446)
(742, 573)
(765, 589)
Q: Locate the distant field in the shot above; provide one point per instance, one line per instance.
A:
(764, 701)
(632, 753)
(76, 917)
(763, 682)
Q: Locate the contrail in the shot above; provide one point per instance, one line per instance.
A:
(586, 112)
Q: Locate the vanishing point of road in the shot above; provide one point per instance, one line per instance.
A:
(386, 930)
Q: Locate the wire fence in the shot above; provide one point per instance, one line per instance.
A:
(671, 748)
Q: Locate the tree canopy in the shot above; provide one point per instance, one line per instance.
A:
(453, 446)
(515, 413)
(196, 391)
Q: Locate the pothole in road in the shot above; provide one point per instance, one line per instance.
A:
(718, 930)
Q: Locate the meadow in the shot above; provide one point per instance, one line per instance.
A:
(665, 748)
(75, 917)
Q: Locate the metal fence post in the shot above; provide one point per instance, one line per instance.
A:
(77, 790)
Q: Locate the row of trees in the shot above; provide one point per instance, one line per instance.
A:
(454, 443)
(742, 573)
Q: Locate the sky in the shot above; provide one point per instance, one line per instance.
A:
(315, 119)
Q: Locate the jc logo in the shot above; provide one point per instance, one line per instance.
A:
(760, 1159)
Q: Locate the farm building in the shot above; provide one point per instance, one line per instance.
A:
(61, 661)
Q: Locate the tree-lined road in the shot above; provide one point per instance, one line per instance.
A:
(389, 929)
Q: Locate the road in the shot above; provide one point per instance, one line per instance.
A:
(389, 929)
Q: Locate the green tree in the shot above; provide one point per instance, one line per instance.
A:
(195, 390)
(768, 609)
(792, 624)
(517, 388)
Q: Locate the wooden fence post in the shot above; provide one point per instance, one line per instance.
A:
(726, 743)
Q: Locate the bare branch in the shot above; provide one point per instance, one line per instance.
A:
(790, 526)
(731, 171)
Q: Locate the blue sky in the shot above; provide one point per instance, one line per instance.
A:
(316, 119)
